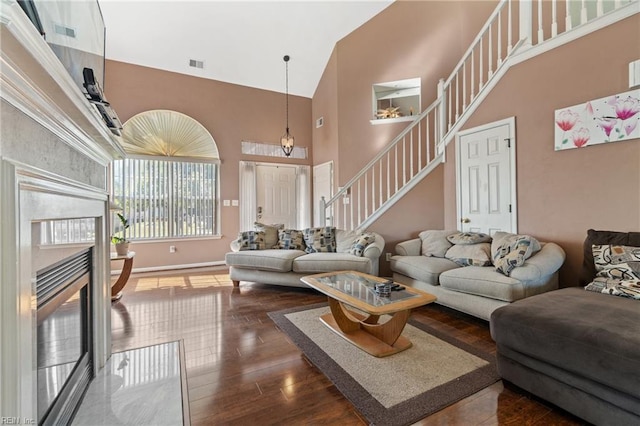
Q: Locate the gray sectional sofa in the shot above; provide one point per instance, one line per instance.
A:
(578, 349)
(286, 267)
(475, 290)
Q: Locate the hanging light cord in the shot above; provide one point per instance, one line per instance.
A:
(286, 64)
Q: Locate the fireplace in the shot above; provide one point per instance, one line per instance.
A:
(63, 337)
(55, 151)
(56, 304)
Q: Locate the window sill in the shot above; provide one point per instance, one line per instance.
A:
(393, 120)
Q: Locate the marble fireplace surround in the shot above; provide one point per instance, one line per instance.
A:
(55, 151)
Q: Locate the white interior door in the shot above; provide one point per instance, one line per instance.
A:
(322, 187)
(486, 178)
(276, 195)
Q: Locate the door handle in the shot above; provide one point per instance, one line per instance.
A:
(259, 209)
(465, 220)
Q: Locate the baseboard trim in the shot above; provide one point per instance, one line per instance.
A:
(172, 267)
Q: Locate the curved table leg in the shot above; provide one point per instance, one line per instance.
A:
(365, 332)
(116, 289)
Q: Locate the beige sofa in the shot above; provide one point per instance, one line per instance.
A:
(476, 290)
(286, 267)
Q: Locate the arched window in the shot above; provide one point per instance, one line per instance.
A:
(168, 186)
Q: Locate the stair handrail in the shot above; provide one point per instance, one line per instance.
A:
(382, 153)
(475, 41)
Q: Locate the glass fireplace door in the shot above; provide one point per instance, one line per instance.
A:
(63, 336)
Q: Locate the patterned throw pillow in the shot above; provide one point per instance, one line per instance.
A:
(615, 287)
(320, 240)
(270, 232)
(470, 254)
(619, 262)
(469, 238)
(361, 243)
(251, 240)
(435, 243)
(512, 250)
(290, 239)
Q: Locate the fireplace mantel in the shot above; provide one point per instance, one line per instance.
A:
(54, 155)
(36, 82)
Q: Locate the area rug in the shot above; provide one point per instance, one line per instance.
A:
(401, 389)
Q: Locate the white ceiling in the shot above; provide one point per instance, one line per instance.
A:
(240, 42)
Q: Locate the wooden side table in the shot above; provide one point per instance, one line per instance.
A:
(116, 289)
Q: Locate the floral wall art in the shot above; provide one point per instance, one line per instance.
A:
(611, 119)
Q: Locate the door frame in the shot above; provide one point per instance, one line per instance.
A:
(331, 189)
(511, 122)
(303, 192)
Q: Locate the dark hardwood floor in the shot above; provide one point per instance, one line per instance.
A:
(241, 370)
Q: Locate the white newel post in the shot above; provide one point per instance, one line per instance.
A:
(526, 21)
(323, 213)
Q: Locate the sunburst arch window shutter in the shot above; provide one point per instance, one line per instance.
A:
(168, 186)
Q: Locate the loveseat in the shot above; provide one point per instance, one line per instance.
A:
(432, 263)
(578, 349)
(285, 267)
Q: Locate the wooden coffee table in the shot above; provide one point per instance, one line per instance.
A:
(356, 289)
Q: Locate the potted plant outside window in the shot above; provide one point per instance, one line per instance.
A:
(121, 242)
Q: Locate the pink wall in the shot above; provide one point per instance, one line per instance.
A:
(325, 104)
(231, 113)
(406, 40)
(562, 194)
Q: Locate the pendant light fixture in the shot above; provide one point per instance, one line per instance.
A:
(286, 141)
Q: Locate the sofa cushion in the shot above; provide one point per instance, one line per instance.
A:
(470, 254)
(270, 232)
(591, 335)
(615, 287)
(421, 268)
(603, 237)
(510, 251)
(264, 260)
(320, 240)
(314, 263)
(344, 240)
(361, 243)
(621, 262)
(618, 270)
(465, 238)
(434, 242)
(483, 281)
(251, 240)
(290, 239)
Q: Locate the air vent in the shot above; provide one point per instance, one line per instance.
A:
(196, 64)
(65, 31)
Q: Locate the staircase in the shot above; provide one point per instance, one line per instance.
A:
(507, 38)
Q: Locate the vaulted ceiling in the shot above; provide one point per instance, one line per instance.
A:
(240, 42)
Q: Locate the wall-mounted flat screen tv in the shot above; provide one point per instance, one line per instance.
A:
(75, 32)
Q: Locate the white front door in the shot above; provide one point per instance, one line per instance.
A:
(276, 195)
(486, 178)
(322, 187)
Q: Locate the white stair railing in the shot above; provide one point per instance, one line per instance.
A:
(419, 148)
(410, 154)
